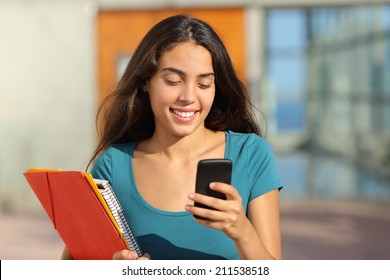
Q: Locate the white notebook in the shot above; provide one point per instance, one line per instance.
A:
(120, 217)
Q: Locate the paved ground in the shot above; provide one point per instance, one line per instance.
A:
(335, 230)
(319, 229)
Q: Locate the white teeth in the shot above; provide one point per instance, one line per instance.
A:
(183, 114)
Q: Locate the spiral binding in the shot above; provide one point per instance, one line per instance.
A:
(119, 215)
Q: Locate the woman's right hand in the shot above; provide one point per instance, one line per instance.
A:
(129, 255)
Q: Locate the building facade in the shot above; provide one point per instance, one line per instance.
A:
(318, 70)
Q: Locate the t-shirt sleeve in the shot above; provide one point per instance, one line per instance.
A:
(102, 167)
(261, 167)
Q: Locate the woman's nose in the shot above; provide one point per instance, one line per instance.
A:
(188, 94)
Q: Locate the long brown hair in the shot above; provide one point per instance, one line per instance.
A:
(126, 113)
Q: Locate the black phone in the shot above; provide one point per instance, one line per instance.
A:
(212, 170)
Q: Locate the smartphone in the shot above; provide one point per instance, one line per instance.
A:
(212, 170)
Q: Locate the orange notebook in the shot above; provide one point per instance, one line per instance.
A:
(80, 213)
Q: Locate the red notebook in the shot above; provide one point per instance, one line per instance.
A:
(84, 224)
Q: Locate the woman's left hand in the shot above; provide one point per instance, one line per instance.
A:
(227, 215)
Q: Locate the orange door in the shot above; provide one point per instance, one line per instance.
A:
(119, 33)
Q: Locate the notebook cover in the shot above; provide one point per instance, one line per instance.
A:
(76, 213)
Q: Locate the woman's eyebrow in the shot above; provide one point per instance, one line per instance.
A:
(206, 75)
(182, 73)
(174, 70)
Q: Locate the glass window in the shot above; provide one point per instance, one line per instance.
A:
(292, 113)
(286, 29)
(329, 68)
(288, 74)
(286, 67)
(386, 16)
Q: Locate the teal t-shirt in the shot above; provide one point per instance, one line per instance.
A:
(175, 235)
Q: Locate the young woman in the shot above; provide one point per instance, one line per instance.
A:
(180, 101)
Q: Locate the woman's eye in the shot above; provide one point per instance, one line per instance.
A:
(172, 83)
(203, 86)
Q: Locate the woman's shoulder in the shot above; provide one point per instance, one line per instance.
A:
(249, 144)
(246, 138)
(116, 151)
(115, 156)
(121, 148)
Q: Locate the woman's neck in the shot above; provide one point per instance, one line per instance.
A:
(181, 149)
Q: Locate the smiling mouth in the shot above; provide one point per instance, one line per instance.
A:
(183, 114)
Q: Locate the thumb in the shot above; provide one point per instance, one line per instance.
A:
(125, 255)
(145, 256)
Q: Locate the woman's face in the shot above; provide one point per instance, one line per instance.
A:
(182, 90)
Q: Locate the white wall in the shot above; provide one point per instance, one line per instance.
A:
(47, 91)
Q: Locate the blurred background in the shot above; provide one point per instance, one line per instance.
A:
(318, 70)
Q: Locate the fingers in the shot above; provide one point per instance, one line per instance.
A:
(208, 214)
(129, 255)
(216, 203)
(125, 255)
(221, 209)
(230, 192)
(227, 215)
(146, 256)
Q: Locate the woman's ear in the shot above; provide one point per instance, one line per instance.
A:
(145, 86)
